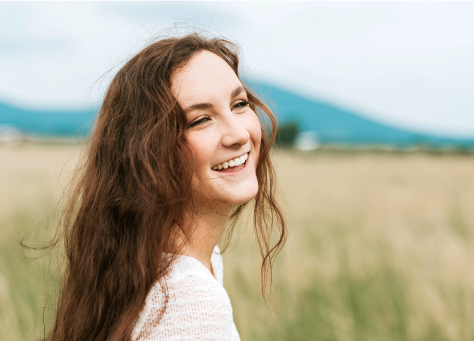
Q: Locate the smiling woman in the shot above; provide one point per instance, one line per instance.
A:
(180, 147)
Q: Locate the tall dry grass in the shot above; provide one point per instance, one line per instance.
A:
(381, 248)
(30, 189)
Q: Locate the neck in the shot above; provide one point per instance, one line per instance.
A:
(208, 225)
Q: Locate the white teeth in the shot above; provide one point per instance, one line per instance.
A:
(232, 163)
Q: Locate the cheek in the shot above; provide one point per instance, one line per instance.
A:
(201, 147)
(255, 131)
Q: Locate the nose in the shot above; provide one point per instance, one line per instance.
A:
(234, 132)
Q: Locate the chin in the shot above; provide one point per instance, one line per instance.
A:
(243, 196)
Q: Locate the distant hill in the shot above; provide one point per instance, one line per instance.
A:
(335, 125)
(332, 125)
(51, 123)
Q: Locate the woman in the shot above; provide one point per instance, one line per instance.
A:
(179, 147)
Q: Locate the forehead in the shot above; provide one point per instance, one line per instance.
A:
(205, 78)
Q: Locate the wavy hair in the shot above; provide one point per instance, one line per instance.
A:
(132, 190)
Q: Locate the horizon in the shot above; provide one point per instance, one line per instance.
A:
(290, 107)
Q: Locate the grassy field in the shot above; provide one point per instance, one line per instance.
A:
(381, 247)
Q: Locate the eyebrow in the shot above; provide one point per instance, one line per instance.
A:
(202, 106)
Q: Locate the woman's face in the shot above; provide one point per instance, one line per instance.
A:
(223, 131)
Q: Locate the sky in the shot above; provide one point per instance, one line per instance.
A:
(410, 64)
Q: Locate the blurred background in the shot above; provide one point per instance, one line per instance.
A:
(375, 156)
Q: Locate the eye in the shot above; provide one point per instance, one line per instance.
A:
(197, 122)
(241, 104)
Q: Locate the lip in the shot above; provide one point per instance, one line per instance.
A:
(237, 172)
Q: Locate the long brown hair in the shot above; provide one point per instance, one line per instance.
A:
(132, 191)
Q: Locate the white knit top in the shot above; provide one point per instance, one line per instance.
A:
(198, 306)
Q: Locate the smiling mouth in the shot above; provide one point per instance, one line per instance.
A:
(231, 165)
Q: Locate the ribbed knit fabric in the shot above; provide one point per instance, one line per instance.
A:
(198, 307)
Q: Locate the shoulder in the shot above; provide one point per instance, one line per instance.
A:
(191, 281)
(197, 306)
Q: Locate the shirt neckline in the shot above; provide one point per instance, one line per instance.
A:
(202, 265)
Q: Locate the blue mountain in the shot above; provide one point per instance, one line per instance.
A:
(51, 123)
(332, 125)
